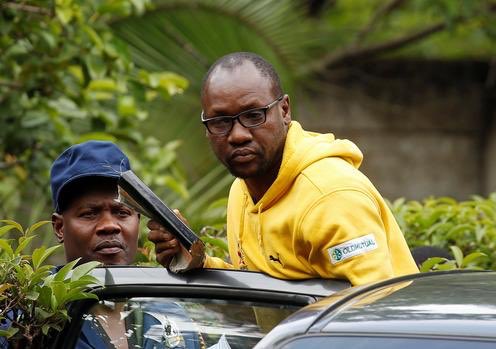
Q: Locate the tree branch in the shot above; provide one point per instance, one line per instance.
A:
(12, 84)
(382, 11)
(354, 53)
(27, 8)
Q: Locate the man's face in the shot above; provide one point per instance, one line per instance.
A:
(97, 228)
(246, 152)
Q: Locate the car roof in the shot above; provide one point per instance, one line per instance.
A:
(112, 276)
(452, 304)
(456, 304)
(125, 282)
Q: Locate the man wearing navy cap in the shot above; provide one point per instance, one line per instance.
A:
(87, 219)
(93, 226)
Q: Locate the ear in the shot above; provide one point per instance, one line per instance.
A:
(286, 110)
(58, 226)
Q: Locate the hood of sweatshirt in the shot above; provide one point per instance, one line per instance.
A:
(303, 148)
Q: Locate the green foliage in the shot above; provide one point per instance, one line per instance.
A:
(65, 78)
(467, 228)
(443, 29)
(472, 261)
(34, 299)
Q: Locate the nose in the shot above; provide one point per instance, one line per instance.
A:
(239, 134)
(107, 224)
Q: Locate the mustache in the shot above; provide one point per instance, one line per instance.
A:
(109, 243)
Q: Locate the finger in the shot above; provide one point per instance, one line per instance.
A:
(171, 245)
(164, 257)
(154, 225)
(159, 235)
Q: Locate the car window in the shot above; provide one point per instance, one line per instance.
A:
(362, 342)
(191, 323)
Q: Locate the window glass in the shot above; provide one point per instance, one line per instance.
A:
(178, 323)
(318, 342)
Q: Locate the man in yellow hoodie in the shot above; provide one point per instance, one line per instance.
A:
(299, 207)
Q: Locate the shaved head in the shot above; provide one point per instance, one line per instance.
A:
(236, 59)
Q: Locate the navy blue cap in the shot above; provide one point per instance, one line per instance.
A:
(88, 159)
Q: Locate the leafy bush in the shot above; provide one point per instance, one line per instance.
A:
(65, 78)
(33, 297)
(467, 228)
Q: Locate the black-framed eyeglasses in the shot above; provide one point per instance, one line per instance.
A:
(222, 125)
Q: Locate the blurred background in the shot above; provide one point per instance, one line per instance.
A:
(411, 82)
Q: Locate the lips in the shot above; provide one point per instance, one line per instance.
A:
(109, 247)
(243, 155)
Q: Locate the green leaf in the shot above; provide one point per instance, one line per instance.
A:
(77, 72)
(64, 11)
(49, 39)
(216, 242)
(41, 254)
(59, 291)
(40, 274)
(480, 233)
(100, 136)
(23, 242)
(169, 83)
(45, 296)
(127, 106)
(36, 226)
(95, 38)
(42, 314)
(9, 332)
(430, 263)
(46, 328)
(14, 223)
(458, 254)
(53, 302)
(472, 258)
(449, 265)
(62, 273)
(34, 118)
(32, 295)
(108, 85)
(5, 229)
(83, 269)
(459, 230)
(78, 295)
(27, 271)
(96, 66)
(5, 246)
(86, 281)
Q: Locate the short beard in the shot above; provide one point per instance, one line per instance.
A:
(260, 171)
(265, 168)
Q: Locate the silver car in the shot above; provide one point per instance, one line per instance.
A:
(451, 310)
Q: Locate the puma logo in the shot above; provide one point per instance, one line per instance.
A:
(274, 259)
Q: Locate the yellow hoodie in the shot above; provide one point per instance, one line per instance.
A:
(320, 218)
